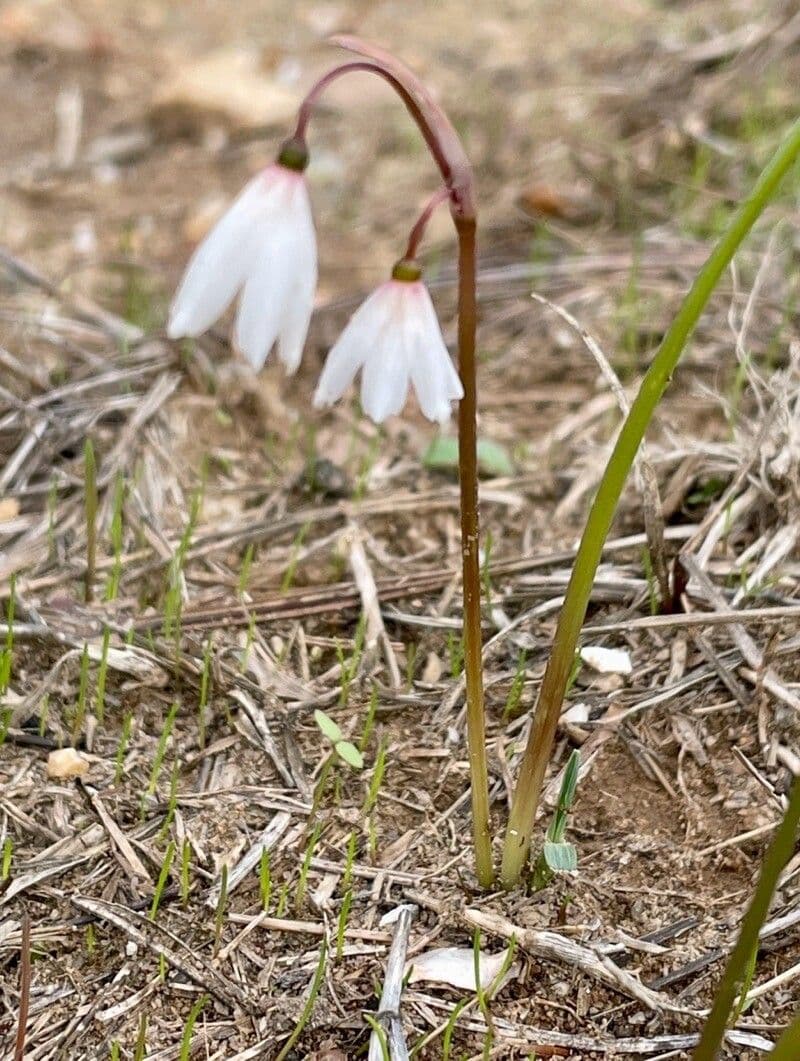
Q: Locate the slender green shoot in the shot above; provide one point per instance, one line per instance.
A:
(558, 855)
(140, 1050)
(349, 861)
(205, 680)
(302, 884)
(186, 1038)
(122, 746)
(780, 850)
(511, 710)
(90, 510)
(186, 855)
(369, 721)
(116, 531)
(222, 902)
(308, 1008)
(8, 854)
(294, 557)
(380, 1033)
(455, 650)
(172, 803)
(245, 570)
(102, 672)
(163, 877)
(376, 781)
(283, 900)
(115, 1050)
(341, 926)
(161, 751)
(265, 879)
(542, 732)
(7, 655)
(787, 1047)
(83, 687)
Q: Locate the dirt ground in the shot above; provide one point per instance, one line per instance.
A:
(242, 536)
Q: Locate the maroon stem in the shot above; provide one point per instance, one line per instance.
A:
(449, 155)
(418, 231)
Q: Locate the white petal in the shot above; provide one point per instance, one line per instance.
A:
(263, 303)
(300, 302)
(433, 374)
(221, 262)
(384, 383)
(354, 345)
(455, 966)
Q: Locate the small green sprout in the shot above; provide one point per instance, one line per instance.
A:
(345, 750)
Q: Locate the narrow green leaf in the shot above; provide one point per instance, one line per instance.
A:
(560, 858)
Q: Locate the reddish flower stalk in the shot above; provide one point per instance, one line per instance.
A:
(418, 231)
(448, 153)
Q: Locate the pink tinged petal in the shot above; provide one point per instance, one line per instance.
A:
(220, 264)
(354, 345)
(262, 306)
(433, 374)
(300, 303)
(384, 384)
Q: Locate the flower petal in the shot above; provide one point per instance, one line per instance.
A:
(219, 265)
(356, 343)
(300, 302)
(384, 383)
(433, 374)
(263, 303)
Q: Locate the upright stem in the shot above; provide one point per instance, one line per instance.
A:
(604, 506)
(777, 855)
(468, 477)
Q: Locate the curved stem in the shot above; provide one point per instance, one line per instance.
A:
(551, 695)
(448, 153)
(418, 231)
(777, 855)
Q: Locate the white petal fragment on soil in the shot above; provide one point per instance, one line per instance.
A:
(455, 966)
(607, 660)
(66, 763)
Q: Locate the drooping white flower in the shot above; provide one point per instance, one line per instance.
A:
(395, 338)
(263, 249)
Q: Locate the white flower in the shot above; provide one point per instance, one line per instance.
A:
(265, 248)
(394, 336)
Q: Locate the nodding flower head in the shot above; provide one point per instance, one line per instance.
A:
(395, 339)
(263, 249)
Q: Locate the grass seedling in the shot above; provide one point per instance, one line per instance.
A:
(83, 686)
(380, 1034)
(90, 511)
(8, 854)
(450, 1027)
(7, 655)
(376, 780)
(172, 803)
(341, 926)
(787, 1047)
(349, 861)
(5, 721)
(186, 854)
(302, 884)
(122, 747)
(526, 797)
(780, 850)
(294, 557)
(102, 670)
(44, 711)
(112, 586)
(191, 1020)
(455, 650)
(283, 900)
(222, 902)
(161, 750)
(558, 855)
(173, 600)
(205, 681)
(411, 664)
(511, 710)
(308, 1008)
(140, 1050)
(163, 876)
(652, 584)
(89, 939)
(115, 1050)
(369, 721)
(245, 569)
(264, 879)
(349, 667)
